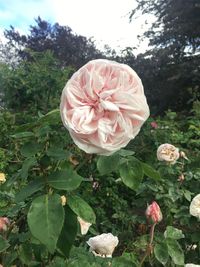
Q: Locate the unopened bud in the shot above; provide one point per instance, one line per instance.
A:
(182, 155)
(181, 177)
(84, 226)
(154, 124)
(154, 213)
(63, 200)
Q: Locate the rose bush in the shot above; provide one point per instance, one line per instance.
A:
(103, 106)
(42, 164)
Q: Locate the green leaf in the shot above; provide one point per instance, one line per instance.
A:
(22, 135)
(45, 220)
(175, 251)
(125, 152)
(161, 253)
(30, 149)
(173, 233)
(81, 208)
(28, 190)
(187, 195)
(3, 244)
(65, 180)
(27, 164)
(108, 164)
(131, 173)
(25, 253)
(122, 262)
(68, 233)
(150, 172)
(58, 153)
(58, 262)
(52, 117)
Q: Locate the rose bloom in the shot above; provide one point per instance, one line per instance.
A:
(154, 213)
(168, 153)
(84, 226)
(2, 178)
(195, 206)
(4, 223)
(103, 245)
(191, 265)
(103, 106)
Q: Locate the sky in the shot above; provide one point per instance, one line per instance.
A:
(106, 21)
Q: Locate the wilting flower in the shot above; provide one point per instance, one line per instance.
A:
(195, 206)
(84, 226)
(63, 200)
(154, 213)
(103, 245)
(168, 153)
(2, 178)
(154, 124)
(4, 223)
(191, 265)
(103, 106)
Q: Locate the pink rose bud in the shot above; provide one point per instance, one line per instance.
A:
(4, 223)
(154, 124)
(154, 213)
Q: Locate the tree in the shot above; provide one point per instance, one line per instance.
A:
(34, 85)
(69, 48)
(176, 26)
(170, 70)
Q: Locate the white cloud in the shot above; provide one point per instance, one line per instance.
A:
(105, 20)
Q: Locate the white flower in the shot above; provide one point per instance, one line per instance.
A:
(191, 265)
(195, 206)
(84, 226)
(2, 178)
(103, 245)
(168, 153)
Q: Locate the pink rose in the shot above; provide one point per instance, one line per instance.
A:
(154, 124)
(103, 106)
(154, 213)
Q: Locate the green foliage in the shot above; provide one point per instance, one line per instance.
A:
(113, 198)
(34, 85)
